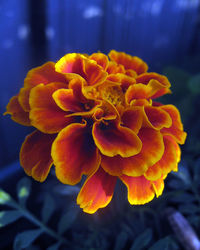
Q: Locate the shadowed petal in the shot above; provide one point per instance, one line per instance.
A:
(128, 61)
(140, 190)
(132, 118)
(113, 139)
(176, 130)
(35, 155)
(65, 99)
(156, 118)
(76, 65)
(167, 163)
(74, 154)
(17, 113)
(151, 152)
(96, 192)
(24, 98)
(45, 115)
(44, 74)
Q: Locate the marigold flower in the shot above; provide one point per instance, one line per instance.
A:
(96, 116)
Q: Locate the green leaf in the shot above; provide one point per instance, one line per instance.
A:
(55, 246)
(25, 239)
(23, 190)
(67, 220)
(142, 240)
(5, 199)
(162, 244)
(194, 84)
(48, 208)
(121, 241)
(7, 217)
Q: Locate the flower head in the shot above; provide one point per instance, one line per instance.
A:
(98, 117)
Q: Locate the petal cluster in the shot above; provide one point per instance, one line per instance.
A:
(96, 115)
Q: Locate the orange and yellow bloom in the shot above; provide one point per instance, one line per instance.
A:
(96, 116)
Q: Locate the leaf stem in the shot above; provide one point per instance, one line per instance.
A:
(28, 215)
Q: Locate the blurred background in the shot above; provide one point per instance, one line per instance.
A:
(164, 33)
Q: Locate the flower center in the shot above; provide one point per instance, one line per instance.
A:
(113, 94)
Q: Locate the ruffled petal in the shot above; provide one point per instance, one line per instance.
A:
(113, 139)
(160, 82)
(152, 89)
(101, 59)
(124, 80)
(133, 118)
(74, 154)
(35, 155)
(129, 62)
(141, 190)
(156, 118)
(65, 99)
(176, 130)
(96, 192)
(167, 163)
(45, 115)
(76, 65)
(44, 74)
(151, 152)
(17, 113)
(114, 68)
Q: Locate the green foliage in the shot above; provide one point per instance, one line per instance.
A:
(7, 217)
(142, 241)
(25, 239)
(23, 190)
(194, 84)
(121, 240)
(67, 220)
(48, 208)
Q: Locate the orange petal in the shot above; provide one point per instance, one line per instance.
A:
(78, 87)
(112, 139)
(114, 68)
(141, 190)
(160, 82)
(124, 80)
(131, 73)
(156, 118)
(146, 77)
(24, 98)
(96, 192)
(129, 62)
(142, 91)
(65, 99)
(76, 65)
(101, 59)
(176, 130)
(35, 155)
(45, 115)
(17, 113)
(151, 152)
(74, 153)
(167, 163)
(44, 74)
(132, 118)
